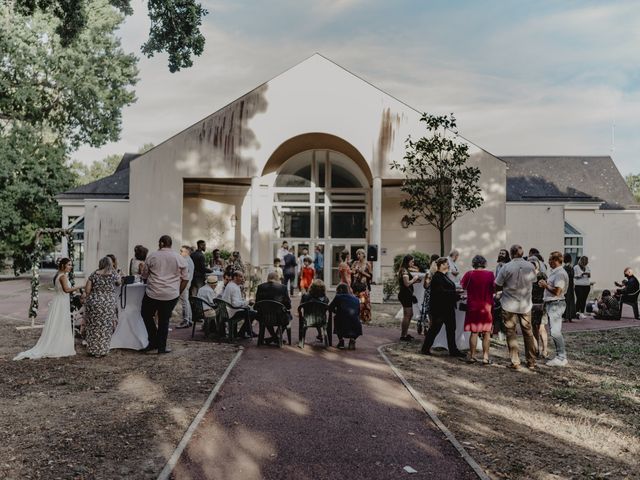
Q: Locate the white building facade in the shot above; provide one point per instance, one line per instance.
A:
(305, 157)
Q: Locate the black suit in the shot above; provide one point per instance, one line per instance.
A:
(630, 294)
(273, 291)
(200, 271)
(442, 309)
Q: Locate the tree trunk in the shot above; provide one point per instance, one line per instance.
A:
(441, 241)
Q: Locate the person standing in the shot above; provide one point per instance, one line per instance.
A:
(405, 295)
(137, 262)
(454, 271)
(442, 308)
(167, 276)
(200, 269)
(555, 289)
(503, 259)
(277, 268)
(101, 307)
(283, 251)
(570, 294)
(289, 269)
(479, 284)
(582, 282)
(56, 339)
(515, 279)
(539, 320)
(185, 251)
(344, 270)
(318, 262)
(306, 275)
(217, 262)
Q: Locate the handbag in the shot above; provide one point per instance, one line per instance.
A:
(126, 280)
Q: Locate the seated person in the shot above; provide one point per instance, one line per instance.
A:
(608, 307)
(209, 292)
(238, 307)
(630, 288)
(346, 313)
(317, 293)
(273, 289)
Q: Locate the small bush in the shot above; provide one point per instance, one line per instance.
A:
(390, 287)
(421, 259)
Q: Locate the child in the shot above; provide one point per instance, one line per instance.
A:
(306, 275)
(278, 269)
(361, 291)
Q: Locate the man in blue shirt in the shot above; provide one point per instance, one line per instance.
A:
(318, 262)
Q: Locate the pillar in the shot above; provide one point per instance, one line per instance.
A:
(255, 227)
(376, 227)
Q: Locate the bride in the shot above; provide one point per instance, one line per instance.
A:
(57, 335)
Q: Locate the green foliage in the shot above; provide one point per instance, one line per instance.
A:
(422, 261)
(390, 286)
(97, 170)
(53, 98)
(439, 185)
(225, 254)
(175, 24)
(633, 180)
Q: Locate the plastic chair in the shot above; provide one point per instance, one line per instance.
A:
(314, 314)
(223, 320)
(197, 315)
(272, 314)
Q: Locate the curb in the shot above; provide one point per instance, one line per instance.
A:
(173, 459)
(425, 406)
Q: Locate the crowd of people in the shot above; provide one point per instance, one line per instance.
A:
(525, 291)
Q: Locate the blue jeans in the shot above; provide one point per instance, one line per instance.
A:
(554, 313)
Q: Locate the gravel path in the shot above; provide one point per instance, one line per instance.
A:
(316, 414)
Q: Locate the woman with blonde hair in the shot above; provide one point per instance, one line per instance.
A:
(101, 307)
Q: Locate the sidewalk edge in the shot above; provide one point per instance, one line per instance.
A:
(447, 433)
(175, 456)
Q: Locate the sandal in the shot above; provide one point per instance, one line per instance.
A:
(487, 362)
(471, 360)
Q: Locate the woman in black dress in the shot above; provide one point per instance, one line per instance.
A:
(405, 295)
(346, 316)
(570, 296)
(442, 309)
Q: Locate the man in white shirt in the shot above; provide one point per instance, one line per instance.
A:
(238, 306)
(516, 280)
(555, 286)
(187, 315)
(282, 251)
(208, 292)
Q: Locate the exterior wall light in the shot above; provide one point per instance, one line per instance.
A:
(233, 220)
(404, 222)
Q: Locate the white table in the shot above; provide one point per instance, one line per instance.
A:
(131, 332)
(462, 337)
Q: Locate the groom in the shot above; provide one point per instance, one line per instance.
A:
(167, 276)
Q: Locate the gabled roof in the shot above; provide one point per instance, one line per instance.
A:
(567, 179)
(115, 185)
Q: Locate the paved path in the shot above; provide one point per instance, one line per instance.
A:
(318, 414)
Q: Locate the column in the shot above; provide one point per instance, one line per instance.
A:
(376, 227)
(255, 230)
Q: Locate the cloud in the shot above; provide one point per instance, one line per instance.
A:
(539, 79)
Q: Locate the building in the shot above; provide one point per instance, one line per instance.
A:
(305, 157)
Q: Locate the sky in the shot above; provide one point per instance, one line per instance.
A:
(527, 77)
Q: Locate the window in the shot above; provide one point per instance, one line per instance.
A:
(78, 244)
(573, 242)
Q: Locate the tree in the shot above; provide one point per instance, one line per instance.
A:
(101, 168)
(175, 24)
(633, 180)
(439, 184)
(53, 98)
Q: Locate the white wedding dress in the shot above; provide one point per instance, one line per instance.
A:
(57, 335)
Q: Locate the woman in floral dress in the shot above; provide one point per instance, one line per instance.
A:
(101, 307)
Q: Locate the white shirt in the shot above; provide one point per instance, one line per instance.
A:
(190, 269)
(233, 296)
(453, 268)
(281, 254)
(557, 278)
(516, 279)
(578, 279)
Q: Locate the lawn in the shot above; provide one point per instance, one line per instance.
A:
(579, 422)
(116, 417)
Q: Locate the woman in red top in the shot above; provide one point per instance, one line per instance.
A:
(479, 284)
(306, 275)
(344, 270)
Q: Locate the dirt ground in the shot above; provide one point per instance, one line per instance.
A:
(85, 418)
(579, 422)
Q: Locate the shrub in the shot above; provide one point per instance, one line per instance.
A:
(421, 260)
(390, 287)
